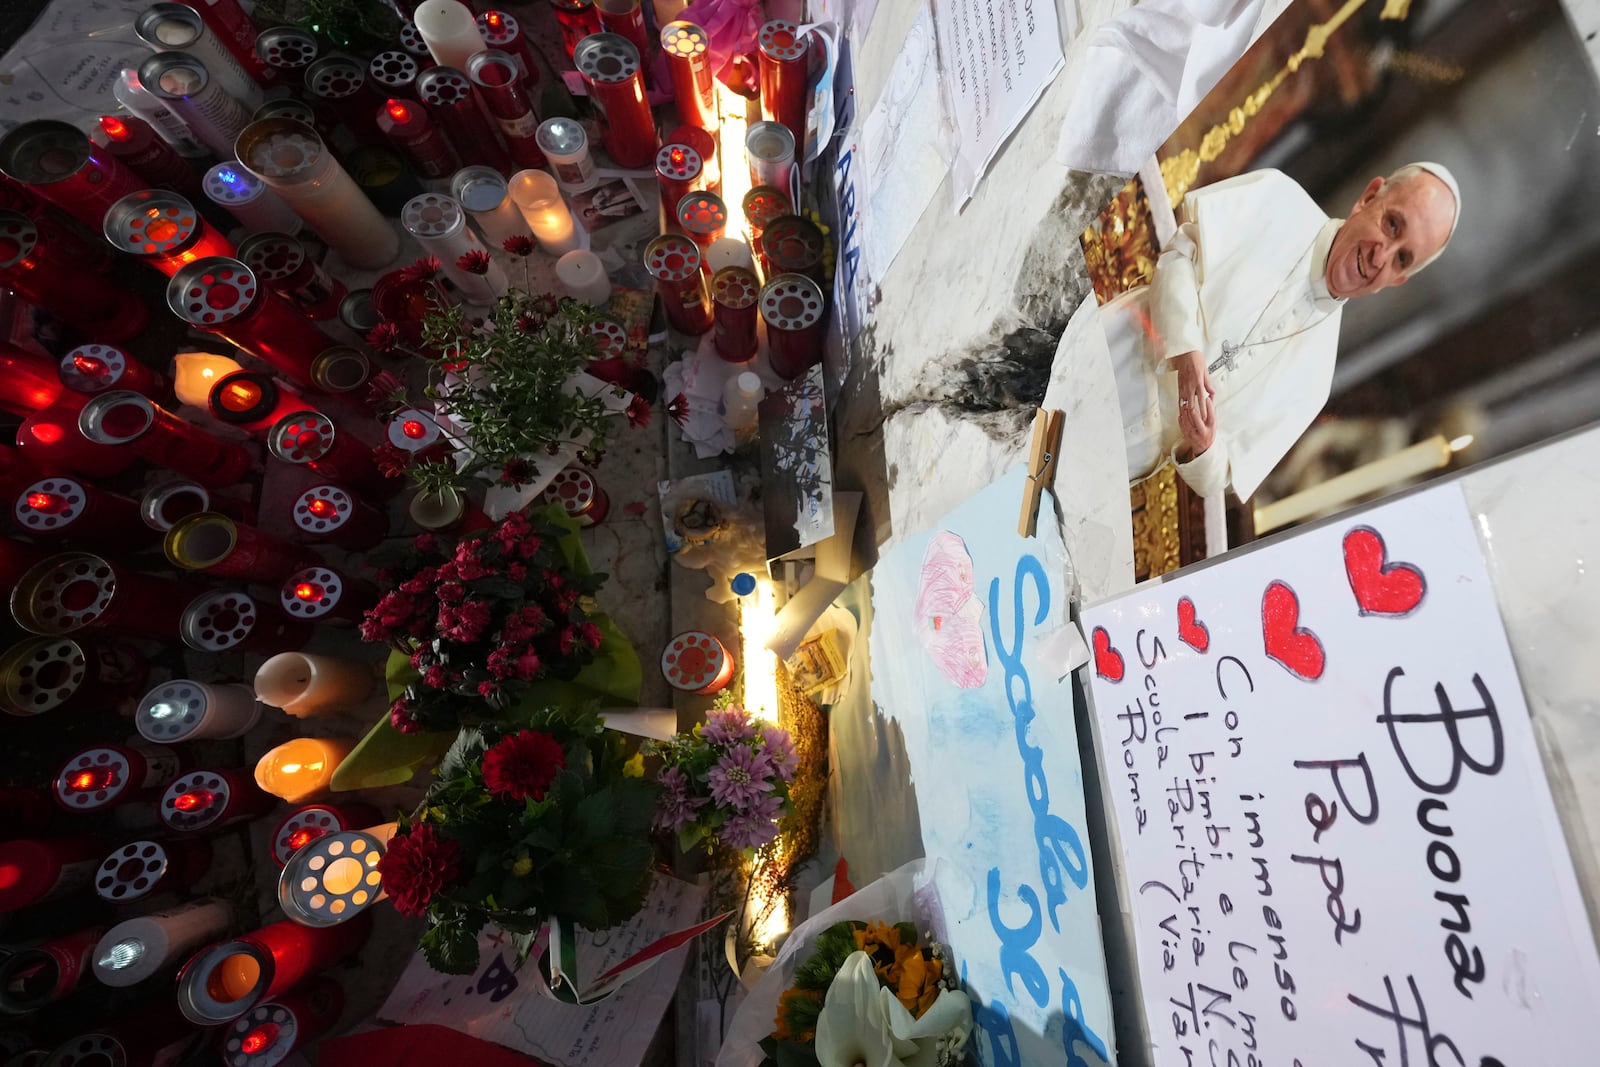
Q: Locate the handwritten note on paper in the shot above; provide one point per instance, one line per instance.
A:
(999, 786)
(998, 57)
(1337, 834)
(506, 1007)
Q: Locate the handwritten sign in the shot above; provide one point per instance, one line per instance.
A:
(998, 781)
(1337, 835)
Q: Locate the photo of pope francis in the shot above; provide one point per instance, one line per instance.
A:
(1227, 356)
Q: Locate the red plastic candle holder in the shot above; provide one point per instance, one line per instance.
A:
(688, 51)
(449, 97)
(68, 509)
(394, 73)
(251, 400)
(268, 1033)
(612, 70)
(792, 244)
(762, 205)
(35, 871)
(304, 825)
(206, 800)
(696, 662)
(63, 677)
(108, 776)
(26, 384)
(289, 50)
(226, 980)
(223, 548)
(578, 19)
(735, 299)
(781, 57)
(329, 513)
(96, 368)
(705, 144)
(674, 263)
(310, 438)
(322, 595)
(579, 495)
(337, 90)
(503, 33)
(52, 268)
(284, 265)
(59, 162)
(224, 620)
(498, 80)
(162, 229)
(49, 439)
(136, 143)
(407, 126)
(165, 503)
(679, 173)
(703, 217)
(793, 307)
(157, 436)
(625, 18)
(141, 869)
(78, 592)
(35, 977)
(223, 296)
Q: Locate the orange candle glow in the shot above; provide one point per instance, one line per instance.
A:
(300, 770)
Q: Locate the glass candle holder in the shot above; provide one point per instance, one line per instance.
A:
(62, 677)
(769, 148)
(578, 19)
(77, 592)
(449, 96)
(440, 227)
(314, 687)
(287, 49)
(503, 33)
(96, 368)
(224, 297)
(158, 437)
(688, 51)
(208, 800)
(26, 384)
(140, 870)
(288, 269)
(49, 439)
(42, 262)
(59, 162)
(414, 134)
(792, 244)
(106, 776)
(394, 73)
(186, 710)
(703, 217)
(162, 229)
(179, 28)
(292, 158)
(547, 214)
(274, 1029)
(136, 143)
(251, 400)
(498, 82)
(612, 70)
(483, 193)
(674, 263)
(61, 508)
(735, 296)
(781, 57)
(342, 369)
(566, 146)
(583, 277)
(309, 438)
(305, 824)
(450, 32)
(227, 620)
(338, 91)
(793, 307)
(301, 770)
(139, 948)
(322, 595)
(247, 198)
(328, 513)
(185, 85)
(223, 548)
(679, 173)
(195, 373)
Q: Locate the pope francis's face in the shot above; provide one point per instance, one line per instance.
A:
(1392, 228)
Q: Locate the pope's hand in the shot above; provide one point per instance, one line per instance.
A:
(1197, 411)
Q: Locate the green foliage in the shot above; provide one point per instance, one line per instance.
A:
(834, 946)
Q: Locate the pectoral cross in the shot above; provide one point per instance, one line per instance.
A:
(1230, 355)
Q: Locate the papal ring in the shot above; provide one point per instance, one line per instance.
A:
(1183, 403)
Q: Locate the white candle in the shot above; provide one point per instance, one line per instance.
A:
(136, 949)
(450, 31)
(729, 252)
(290, 157)
(583, 277)
(484, 195)
(309, 687)
(537, 194)
(1408, 463)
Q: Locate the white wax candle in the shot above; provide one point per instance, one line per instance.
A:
(729, 252)
(308, 686)
(537, 194)
(450, 31)
(583, 277)
(482, 192)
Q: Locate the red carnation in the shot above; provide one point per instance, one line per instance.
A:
(402, 716)
(523, 765)
(639, 411)
(417, 866)
(518, 245)
(474, 262)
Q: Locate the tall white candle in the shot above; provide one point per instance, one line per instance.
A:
(450, 31)
(729, 252)
(537, 194)
(291, 157)
(308, 687)
(136, 949)
(1380, 474)
(583, 277)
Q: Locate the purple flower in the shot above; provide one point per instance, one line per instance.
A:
(753, 827)
(676, 808)
(781, 751)
(727, 726)
(740, 777)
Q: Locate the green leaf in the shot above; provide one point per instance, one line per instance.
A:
(593, 820)
(451, 947)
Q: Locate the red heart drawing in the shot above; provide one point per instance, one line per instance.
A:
(1192, 631)
(1292, 645)
(1381, 588)
(1107, 660)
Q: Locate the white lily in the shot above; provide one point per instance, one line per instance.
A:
(948, 1017)
(852, 1029)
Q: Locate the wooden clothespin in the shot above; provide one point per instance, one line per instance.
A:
(1041, 466)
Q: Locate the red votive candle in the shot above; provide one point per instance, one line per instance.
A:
(289, 50)
(329, 513)
(448, 94)
(268, 1033)
(45, 264)
(781, 55)
(761, 206)
(224, 297)
(49, 439)
(792, 244)
(578, 19)
(793, 307)
(304, 825)
(162, 229)
(495, 76)
(688, 51)
(26, 384)
(283, 263)
(625, 18)
(410, 130)
(165, 503)
(696, 662)
(59, 162)
(38, 976)
(322, 595)
(394, 73)
(503, 33)
(735, 296)
(122, 417)
(79, 592)
(207, 800)
(141, 869)
(226, 549)
(311, 439)
(674, 262)
(611, 68)
(251, 400)
(226, 980)
(60, 676)
(577, 493)
(143, 151)
(60, 508)
(96, 368)
(107, 776)
(36, 871)
(706, 145)
(337, 90)
(679, 172)
(703, 217)
(224, 620)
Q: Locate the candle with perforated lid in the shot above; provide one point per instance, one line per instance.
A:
(172, 27)
(340, 94)
(673, 261)
(498, 83)
(223, 296)
(162, 229)
(688, 51)
(407, 126)
(782, 53)
(453, 104)
(503, 33)
(154, 1036)
(578, 19)
(696, 662)
(224, 620)
(136, 422)
(182, 709)
(679, 172)
(311, 439)
(440, 227)
(99, 368)
(59, 162)
(247, 198)
(142, 869)
(323, 595)
(62, 677)
(612, 69)
(78, 592)
(206, 800)
(329, 513)
(54, 269)
(34, 977)
(735, 294)
(394, 74)
(64, 508)
(187, 86)
(133, 141)
(107, 776)
(225, 981)
(288, 268)
(306, 824)
(287, 49)
(625, 18)
(268, 1033)
(793, 307)
(223, 548)
(138, 948)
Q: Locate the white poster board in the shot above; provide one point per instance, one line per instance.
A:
(1336, 833)
(997, 58)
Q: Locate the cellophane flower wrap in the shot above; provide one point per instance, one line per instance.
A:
(726, 782)
(482, 620)
(547, 820)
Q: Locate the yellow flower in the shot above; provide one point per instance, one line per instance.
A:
(918, 986)
(882, 942)
(523, 867)
(783, 1028)
(634, 768)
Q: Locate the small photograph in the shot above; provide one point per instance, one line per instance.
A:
(605, 204)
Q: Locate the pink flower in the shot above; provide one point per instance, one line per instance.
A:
(402, 716)
(392, 462)
(469, 620)
(435, 677)
(528, 665)
(516, 472)
(425, 542)
(451, 592)
(488, 690)
(589, 634)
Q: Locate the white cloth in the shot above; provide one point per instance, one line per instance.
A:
(1246, 267)
(1146, 69)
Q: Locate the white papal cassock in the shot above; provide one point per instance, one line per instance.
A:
(1243, 275)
